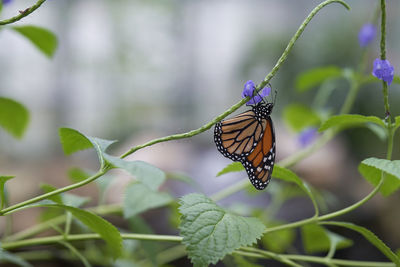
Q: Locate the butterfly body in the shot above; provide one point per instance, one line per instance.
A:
(250, 139)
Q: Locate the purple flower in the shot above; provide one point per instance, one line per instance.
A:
(248, 91)
(307, 136)
(5, 2)
(383, 70)
(367, 34)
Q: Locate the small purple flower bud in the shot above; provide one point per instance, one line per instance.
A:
(307, 136)
(383, 70)
(367, 34)
(248, 89)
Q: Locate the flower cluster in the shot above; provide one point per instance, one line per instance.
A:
(248, 91)
(383, 70)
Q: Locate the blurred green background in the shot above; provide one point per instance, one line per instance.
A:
(136, 70)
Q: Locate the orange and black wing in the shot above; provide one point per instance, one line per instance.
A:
(237, 137)
(260, 162)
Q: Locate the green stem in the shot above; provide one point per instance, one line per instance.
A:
(275, 256)
(23, 13)
(81, 237)
(76, 252)
(258, 253)
(38, 228)
(383, 29)
(52, 193)
(354, 206)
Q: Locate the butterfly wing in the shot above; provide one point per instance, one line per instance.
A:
(237, 137)
(260, 162)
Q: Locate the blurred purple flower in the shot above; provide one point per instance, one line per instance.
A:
(383, 70)
(307, 136)
(5, 2)
(248, 91)
(367, 34)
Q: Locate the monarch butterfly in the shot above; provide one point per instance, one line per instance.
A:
(249, 138)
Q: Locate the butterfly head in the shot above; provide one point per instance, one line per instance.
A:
(263, 110)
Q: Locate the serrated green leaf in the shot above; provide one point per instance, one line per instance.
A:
(289, 176)
(316, 239)
(278, 241)
(372, 168)
(232, 167)
(106, 230)
(209, 232)
(139, 197)
(6, 256)
(349, 120)
(371, 237)
(14, 117)
(299, 117)
(148, 174)
(42, 38)
(314, 77)
(3, 180)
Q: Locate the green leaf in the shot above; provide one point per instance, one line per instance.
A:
(372, 79)
(209, 232)
(77, 175)
(349, 120)
(14, 117)
(148, 174)
(372, 168)
(150, 248)
(289, 176)
(106, 230)
(3, 180)
(314, 77)
(397, 123)
(371, 237)
(139, 197)
(232, 167)
(243, 262)
(42, 38)
(278, 241)
(6, 256)
(299, 117)
(180, 177)
(73, 141)
(317, 239)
